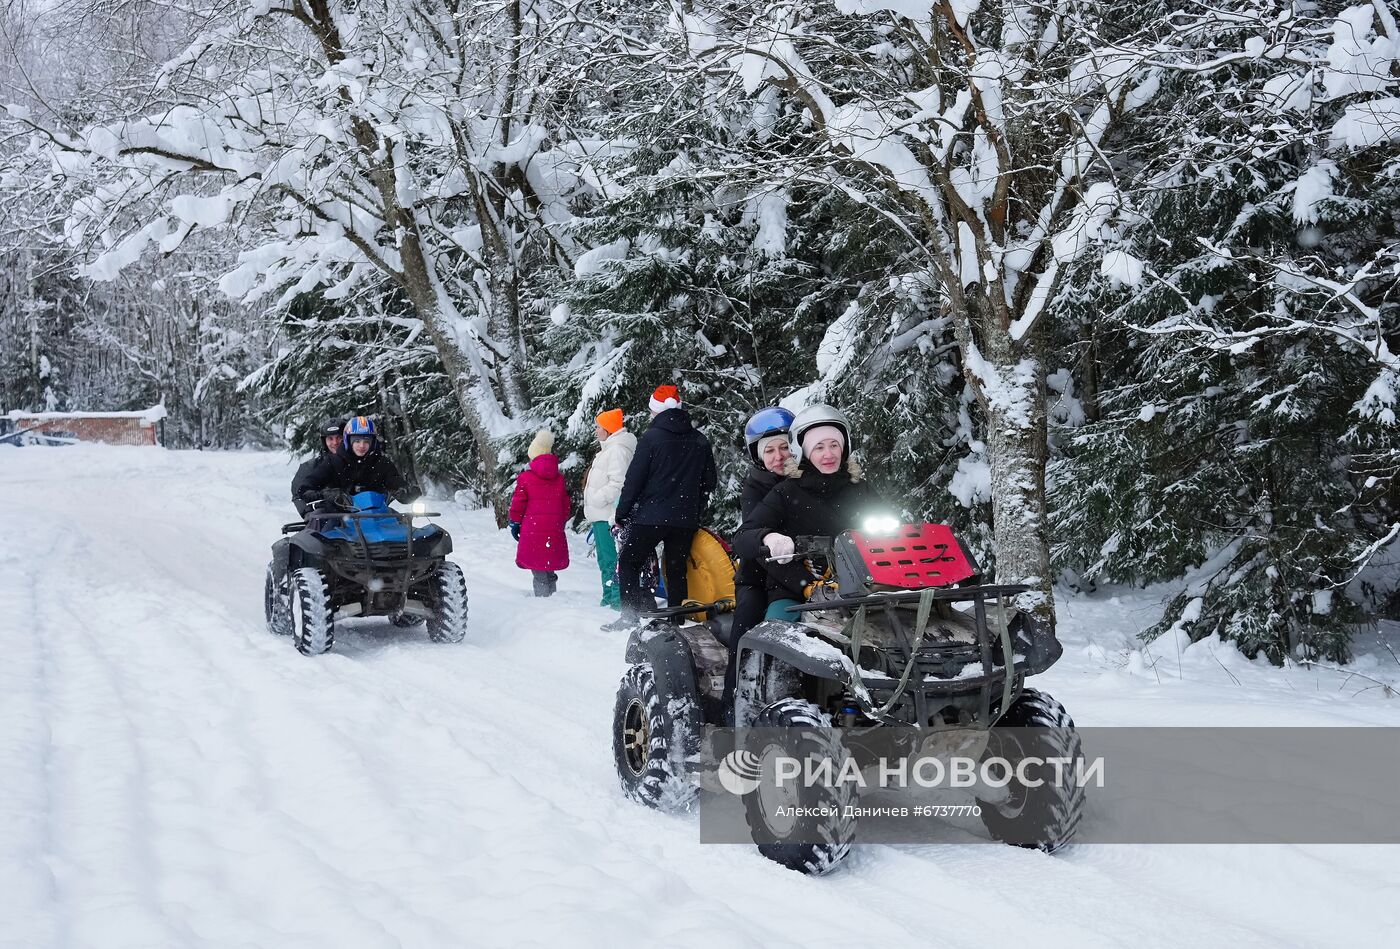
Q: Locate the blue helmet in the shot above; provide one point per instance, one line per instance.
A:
(359, 425)
(774, 420)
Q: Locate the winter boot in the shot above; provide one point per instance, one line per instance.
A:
(626, 621)
(545, 582)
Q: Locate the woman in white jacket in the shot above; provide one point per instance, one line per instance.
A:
(601, 488)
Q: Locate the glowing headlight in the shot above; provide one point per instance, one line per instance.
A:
(418, 507)
(880, 526)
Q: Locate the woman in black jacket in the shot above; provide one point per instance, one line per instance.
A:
(822, 496)
(766, 439)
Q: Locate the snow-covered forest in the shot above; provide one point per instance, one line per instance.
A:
(1112, 288)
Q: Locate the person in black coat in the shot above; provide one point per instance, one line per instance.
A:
(766, 440)
(822, 496)
(332, 431)
(664, 497)
(360, 466)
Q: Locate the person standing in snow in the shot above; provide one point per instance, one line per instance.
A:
(664, 495)
(602, 487)
(331, 432)
(539, 509)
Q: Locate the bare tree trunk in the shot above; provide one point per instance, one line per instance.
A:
(1008, 378)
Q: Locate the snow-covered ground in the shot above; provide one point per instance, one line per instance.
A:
(174, 776)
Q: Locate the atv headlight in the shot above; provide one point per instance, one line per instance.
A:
(418, 507)
(880, 525)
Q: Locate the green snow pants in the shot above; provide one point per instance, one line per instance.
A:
(606, 549)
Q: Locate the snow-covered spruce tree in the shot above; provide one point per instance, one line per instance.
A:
(715, 268)
(689, 284)
(368, 356)
(986, 132)
(1241, 348)
(346, 144)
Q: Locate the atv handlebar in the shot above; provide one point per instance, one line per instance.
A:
(722, 605)
(807, 545)
(295, 526)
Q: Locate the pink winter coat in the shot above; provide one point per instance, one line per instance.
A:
(540, 505)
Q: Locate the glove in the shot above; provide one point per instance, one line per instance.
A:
(335, 497)
(781, 546)
(515, 529)
(407, 495)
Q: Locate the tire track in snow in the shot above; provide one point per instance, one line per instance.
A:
(28, 889)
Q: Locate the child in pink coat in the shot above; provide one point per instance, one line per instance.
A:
(539, 509)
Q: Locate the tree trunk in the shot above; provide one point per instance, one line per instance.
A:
(466, 387)
(1016, 454)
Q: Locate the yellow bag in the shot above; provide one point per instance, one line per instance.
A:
(709, 571)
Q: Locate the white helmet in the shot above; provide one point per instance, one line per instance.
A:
(814, 416)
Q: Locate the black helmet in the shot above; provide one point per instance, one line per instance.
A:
(332, 426)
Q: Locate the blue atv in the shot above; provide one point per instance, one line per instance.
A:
(366, 561)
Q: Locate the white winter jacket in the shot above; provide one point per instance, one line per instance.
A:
(606, 474)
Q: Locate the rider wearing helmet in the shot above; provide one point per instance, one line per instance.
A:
(331, 433)
(360, 466)
(766, 441)
(822, 495)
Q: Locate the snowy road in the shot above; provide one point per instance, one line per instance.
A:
(174, 776)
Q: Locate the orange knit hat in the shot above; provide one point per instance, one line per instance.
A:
(665, 397)
(611, 421)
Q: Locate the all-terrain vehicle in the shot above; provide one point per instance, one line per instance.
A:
(367, 561)
(897, 631)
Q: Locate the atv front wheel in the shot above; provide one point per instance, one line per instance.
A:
(647, 742)
(1044, 817)
(448, 624)
(275, 606)
(809, 844)
(312, 627)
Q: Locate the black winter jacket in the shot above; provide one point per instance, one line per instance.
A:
(671, 476)
(757, 484)
(811, 504)
(299, 481)
(351, 473)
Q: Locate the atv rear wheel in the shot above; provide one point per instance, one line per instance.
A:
(448, 624)
(647, 742)
(276, 607)
(313, 629)
(808, 844)
(1044, 817)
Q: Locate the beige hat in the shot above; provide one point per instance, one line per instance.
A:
(543, 443)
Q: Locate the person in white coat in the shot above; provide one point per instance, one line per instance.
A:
(601, 488)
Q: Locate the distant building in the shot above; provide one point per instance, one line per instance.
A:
(109, 428)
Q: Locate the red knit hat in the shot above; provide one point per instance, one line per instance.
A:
(665, 397)
(611, 421)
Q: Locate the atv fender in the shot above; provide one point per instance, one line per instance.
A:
(309, 543)
(793, 645)
(281, 555)
(673, 669)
